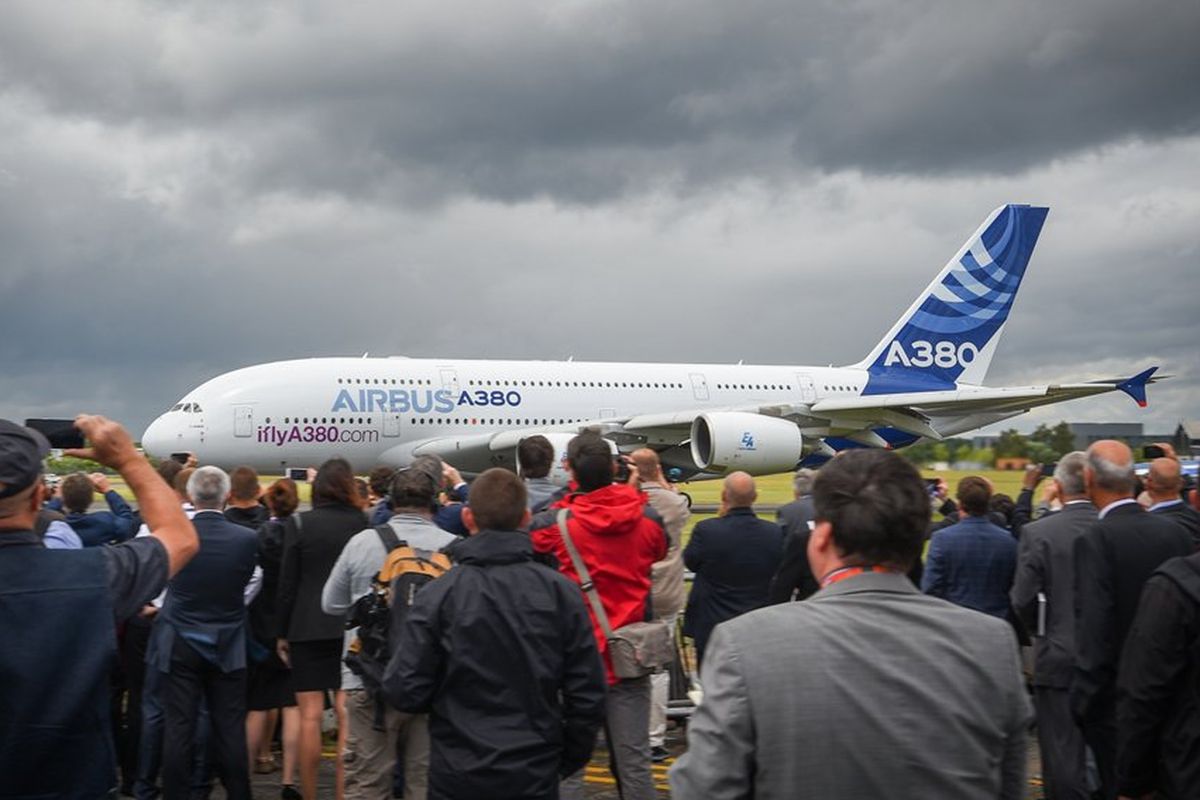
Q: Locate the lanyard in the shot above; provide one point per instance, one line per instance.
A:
(842, 573)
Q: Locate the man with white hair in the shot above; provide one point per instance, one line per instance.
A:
(199, 640)
(1112, 563)
(1043, 596)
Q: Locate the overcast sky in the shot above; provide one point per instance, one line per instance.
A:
(187, 188)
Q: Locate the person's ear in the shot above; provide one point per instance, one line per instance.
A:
(38, 496)
(468, 520)
(526, 519)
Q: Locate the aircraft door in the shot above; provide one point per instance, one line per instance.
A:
(449, 379)
(391, 425)
(699, 386)
(243, 420)
(808, 389)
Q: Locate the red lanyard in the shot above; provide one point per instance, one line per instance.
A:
(842, 573)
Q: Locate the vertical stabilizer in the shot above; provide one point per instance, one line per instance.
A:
(949, 334)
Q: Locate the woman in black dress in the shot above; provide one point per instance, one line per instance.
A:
(270, 680)
(309, 639)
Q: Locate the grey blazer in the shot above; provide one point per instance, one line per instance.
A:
(1046, 564)
(867, 689)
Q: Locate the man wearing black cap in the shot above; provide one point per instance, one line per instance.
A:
(59, 607)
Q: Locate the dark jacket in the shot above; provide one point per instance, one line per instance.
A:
(794, 578)
(1185, 516)
(102, 527)
(971, 564)
(251, 517)
(205, 604)
(500, 651)
(1046, 564)
(1158, 688)
(734, 558)
(312, 542)
(264, 611)
(1112, 563)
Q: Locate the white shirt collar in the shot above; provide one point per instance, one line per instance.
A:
(1124, 501)
(1165, 504)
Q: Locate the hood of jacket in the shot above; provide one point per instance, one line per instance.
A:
(489, 548)
(613, 510)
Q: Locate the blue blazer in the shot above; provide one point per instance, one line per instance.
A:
(205, 604)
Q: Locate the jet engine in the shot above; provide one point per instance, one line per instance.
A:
(725, 441)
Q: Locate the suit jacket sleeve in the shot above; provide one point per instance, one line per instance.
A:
(1154, 664)
(719, 762)
(583, 686)
(794, 573)
(1095, 656)
(1014, 761)
(289, 576)
(1022, 511)
(933, 578)
(122, 515)
(1029, 580)
(693, 554)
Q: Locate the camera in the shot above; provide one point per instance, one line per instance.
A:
(621, 473)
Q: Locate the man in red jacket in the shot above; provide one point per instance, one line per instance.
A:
(618, 537)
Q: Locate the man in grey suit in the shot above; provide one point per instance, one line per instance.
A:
(1046, 567)
(868, 688)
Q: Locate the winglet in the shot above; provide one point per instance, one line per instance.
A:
(1135, 387)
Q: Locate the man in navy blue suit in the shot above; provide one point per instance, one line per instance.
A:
(972, 563)
(199, 639)
(734, 557)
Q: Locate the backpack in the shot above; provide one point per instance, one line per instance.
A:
(379, 615)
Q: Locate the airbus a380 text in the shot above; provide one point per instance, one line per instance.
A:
(923, 379)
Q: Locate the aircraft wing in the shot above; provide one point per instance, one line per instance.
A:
(972, 401)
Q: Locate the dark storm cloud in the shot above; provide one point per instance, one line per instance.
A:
(591, 101)
(186, 189)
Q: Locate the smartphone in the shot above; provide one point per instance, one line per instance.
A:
(182, 458)
(931, 485)
(60, 433)
(1153, 451)
(1048, 469)
(621, 472)
(298, 474)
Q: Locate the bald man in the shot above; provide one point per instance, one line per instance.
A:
(734, 557)
(1164, 484)
(1112, 563)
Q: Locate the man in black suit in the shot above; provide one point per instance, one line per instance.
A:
(200, 641)
(734, 557)
(1043, 596)
(1112, 562)
(794, 579)
(1164, 484)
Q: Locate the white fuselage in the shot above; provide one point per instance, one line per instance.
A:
(372, 410)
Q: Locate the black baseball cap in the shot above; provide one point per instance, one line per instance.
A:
(22, 451)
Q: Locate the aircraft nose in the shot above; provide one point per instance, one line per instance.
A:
(161, 438)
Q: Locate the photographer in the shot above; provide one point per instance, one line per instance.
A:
(60, 607)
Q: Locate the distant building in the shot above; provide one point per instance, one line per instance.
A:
(1088, 433)
(1187, 438)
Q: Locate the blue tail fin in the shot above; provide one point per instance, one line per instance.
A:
(950, 332)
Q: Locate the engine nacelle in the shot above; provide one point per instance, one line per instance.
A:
(724, 441)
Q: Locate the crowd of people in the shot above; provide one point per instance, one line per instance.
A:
(478, 640)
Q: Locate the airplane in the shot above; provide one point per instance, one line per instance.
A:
(924, 379)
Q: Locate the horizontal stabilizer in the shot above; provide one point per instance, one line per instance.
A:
(1135, 387)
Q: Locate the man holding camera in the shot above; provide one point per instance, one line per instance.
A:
(60, 606)
(619, 537)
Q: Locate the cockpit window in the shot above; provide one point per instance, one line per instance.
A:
(187, 409)
(196, 407)
(177, 406)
